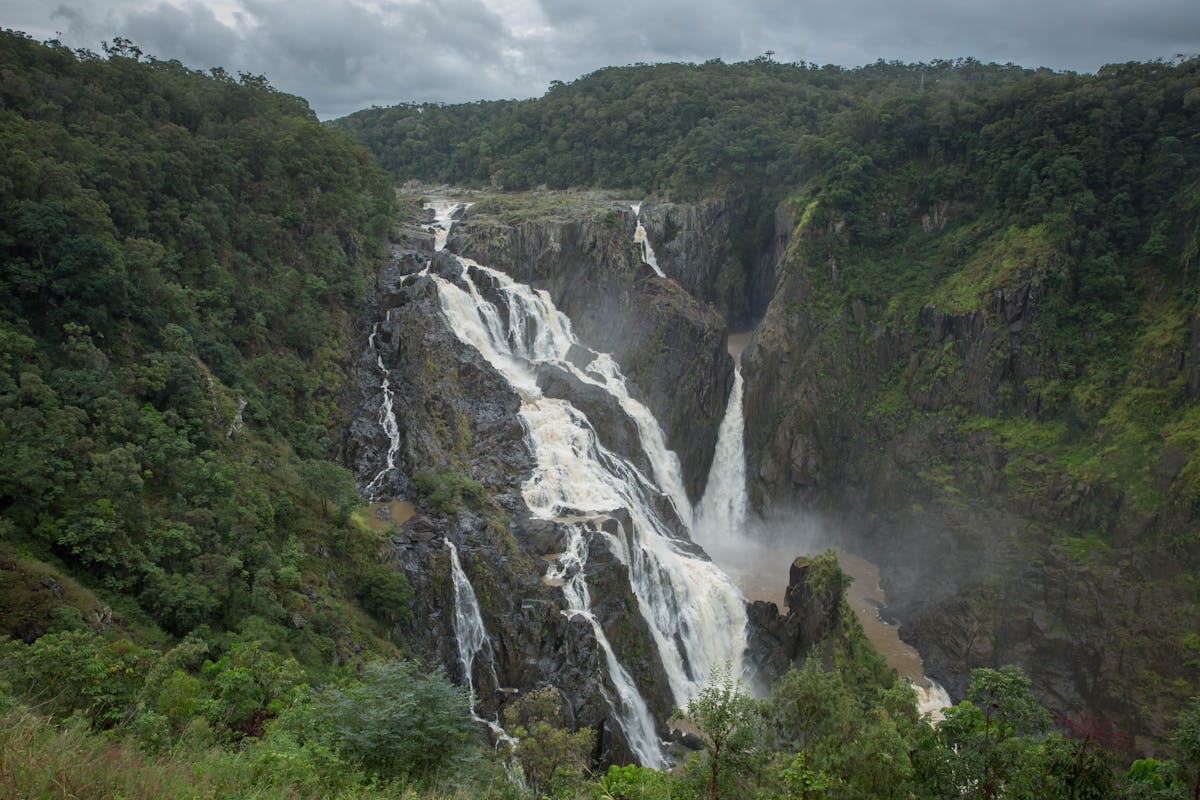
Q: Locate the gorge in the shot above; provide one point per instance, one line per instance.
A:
(321, 478)
(665, 339)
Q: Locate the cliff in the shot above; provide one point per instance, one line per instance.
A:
(1016, 522)
(669, 345)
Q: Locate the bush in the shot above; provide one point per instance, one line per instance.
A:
(401, 720)
(386, 594)
(445, 490)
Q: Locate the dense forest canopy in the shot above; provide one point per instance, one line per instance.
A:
(1103, 166)
(668, 128)
(181, 255)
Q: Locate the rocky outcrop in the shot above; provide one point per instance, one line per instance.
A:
(531, 642)
(776, 642)
(455, 413)
(670, 346)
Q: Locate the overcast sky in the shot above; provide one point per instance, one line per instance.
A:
(343, 55)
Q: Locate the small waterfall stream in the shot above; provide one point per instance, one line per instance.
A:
(387, 419)
(469, 631)
(471, 637)
(444, 211)
(641, 237)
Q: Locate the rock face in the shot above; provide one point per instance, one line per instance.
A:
(454, 413)
(867, 419)
(451, 408)
(696, 245)
(531, 642)
(670, 346)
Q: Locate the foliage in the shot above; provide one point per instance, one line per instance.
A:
(401, 719)
(182, 255)
(728, 720)
(445, 490)
(386, 594)
(76, 672)
(633, 782)
(553, 758)
(992, 730)
(1186, 742)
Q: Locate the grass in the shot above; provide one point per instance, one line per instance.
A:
(1004, 256)
(41, 759)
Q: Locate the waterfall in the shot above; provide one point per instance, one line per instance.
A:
(932, 701)
(443, 218)
(471, 636)
(631, 709)
(468, 621)
(694, 612)
(722, 512)
(640, 237)
(387, 419)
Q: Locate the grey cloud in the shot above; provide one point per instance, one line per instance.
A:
(348, 54)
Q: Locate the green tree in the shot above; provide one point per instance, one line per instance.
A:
(400, 720)
(730, 723)
(993, 730)
(332, 483)
(386, 594)
(553, 758)
(1186, 742)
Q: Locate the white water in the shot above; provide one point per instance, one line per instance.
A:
(443, 218)
(640, 237)
(387, 420)
(471, 636)
(933, 700)
(721, 516)
(443, 212)
(631, 710)
(469, 631)
(694, 611)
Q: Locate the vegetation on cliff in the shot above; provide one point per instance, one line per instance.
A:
(839, 725)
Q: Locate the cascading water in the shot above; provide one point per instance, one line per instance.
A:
(933, 700)
(640, 237)
(722, 511)
(630, 709)
(694, 612)
(387, 419)
(471, 636)
(443, 218)
(468, 621)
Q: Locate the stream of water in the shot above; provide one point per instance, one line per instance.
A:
(641, 237)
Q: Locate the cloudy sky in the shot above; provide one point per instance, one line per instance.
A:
(345, 55)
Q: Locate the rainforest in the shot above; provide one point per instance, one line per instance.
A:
(755, 429)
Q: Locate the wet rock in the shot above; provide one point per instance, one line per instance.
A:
(776, 641)
(671, 347)
(615, 429)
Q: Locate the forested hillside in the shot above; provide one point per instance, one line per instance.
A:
(183, 257)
